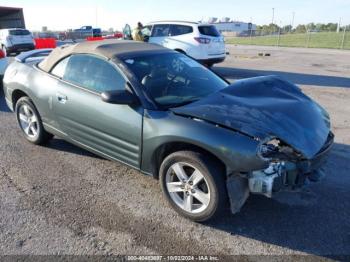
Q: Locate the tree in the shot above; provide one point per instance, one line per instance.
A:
(311, 27)
(301, 29)
(332, 27)
(287, 28)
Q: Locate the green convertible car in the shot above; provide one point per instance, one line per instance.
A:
(210, 143)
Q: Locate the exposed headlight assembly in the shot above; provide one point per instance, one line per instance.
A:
(274, 149)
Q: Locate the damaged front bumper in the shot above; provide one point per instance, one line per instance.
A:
(278, 176)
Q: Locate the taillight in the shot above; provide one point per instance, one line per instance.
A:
(2, 54)
(202, 40)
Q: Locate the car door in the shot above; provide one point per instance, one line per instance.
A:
(160, 34)
(127, 32)
(179, 37)
(109, 129)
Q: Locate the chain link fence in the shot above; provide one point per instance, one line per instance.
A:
(310, 39)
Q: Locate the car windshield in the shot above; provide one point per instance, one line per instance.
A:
(174, 79)
(19, 32)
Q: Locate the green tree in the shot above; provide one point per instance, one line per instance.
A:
(300, 29)
(287, 28)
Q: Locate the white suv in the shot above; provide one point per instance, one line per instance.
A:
(15, 40)
(202, 42)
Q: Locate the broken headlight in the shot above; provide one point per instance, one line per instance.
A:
(275, 149)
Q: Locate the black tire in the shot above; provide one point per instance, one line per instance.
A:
(214, 177)
(42, 136)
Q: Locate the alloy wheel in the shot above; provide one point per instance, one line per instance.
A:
(187, 187)
(28, 121)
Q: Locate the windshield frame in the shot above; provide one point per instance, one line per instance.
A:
(133, 55)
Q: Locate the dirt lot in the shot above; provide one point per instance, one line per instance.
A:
(60, 199)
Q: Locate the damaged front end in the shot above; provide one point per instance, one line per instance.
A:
(286, 170)
(293, 134)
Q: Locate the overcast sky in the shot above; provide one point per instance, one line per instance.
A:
(64, 14)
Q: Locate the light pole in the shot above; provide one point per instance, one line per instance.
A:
(96, 16)
(273, 15)
(292, 22)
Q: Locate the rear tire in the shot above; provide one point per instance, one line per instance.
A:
(194, 185)
(30, 122)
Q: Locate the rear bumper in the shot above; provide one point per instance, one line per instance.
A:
(21, 47)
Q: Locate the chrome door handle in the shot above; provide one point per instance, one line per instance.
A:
(61, 98)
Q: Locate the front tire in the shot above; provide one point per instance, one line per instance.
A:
(194, 185)
(30, 122)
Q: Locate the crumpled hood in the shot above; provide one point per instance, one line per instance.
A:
(265, 107)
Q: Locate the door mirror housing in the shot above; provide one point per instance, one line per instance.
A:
(119, 97)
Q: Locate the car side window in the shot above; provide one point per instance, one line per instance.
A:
(93, 73)
(160, 30)
(180, 30)
(60, 68)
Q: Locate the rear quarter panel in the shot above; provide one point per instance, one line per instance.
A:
(36, 84)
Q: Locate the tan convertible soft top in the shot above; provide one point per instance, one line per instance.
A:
(105, 48)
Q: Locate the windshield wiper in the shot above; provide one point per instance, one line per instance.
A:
(183, 103)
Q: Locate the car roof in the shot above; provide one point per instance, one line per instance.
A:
(178, 22)
(109, 48)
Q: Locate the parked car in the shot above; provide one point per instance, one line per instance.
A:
(203, 42)
(209, 142)
(80, 33)
(16, 40)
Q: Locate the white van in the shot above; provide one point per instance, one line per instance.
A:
(203, 42)
(16, 40)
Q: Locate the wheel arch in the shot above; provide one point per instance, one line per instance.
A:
(168, 148)
(16, 95)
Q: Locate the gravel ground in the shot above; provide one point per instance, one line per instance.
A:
(60, 199)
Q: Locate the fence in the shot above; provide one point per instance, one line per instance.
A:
(310, 39)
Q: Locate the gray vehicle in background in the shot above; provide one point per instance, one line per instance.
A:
(80, 33)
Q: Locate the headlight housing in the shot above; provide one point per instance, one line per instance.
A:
(273, 148)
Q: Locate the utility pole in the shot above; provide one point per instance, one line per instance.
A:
(273, 15)
(96, 16)
(343, 39)
(338, 28)
(292, 24)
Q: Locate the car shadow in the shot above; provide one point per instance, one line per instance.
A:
(63, 146)
(3, 106)
(296, 78)
(315, 221)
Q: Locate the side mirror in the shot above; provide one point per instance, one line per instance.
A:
(120, 97)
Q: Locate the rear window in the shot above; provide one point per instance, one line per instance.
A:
(180, 30)
(19, 32)
(209, 30)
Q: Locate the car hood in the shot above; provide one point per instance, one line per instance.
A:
(264, 107)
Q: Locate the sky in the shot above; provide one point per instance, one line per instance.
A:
(65, 14)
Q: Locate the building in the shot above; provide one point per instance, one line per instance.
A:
(233, 28)
(11, 17)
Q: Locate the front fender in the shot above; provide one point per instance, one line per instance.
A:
(235, 150)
